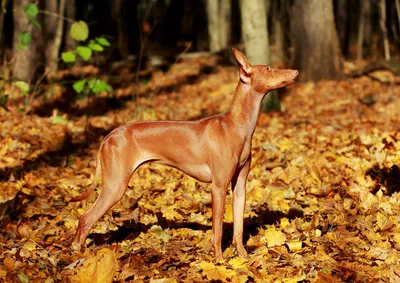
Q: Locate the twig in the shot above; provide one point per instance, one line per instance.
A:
(183, 52)
(37, 85)
(55, 46)
(142, 45)
(360, 37)
(176, 61)
(382, 23)
(57, 15)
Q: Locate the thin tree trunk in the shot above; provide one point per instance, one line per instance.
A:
(2, 16)
(212, 14)
(398, 12)
(360, 37)
(382, 23)
(393, 24)
(343, 18)
(53, 46)
(224, 23)
(278, 30)
(70, 12)
(121, 29)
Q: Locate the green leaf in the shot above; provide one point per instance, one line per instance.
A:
(84, 52)
(35, 23)
(97, 85)
(95, 46)
(68, 57)
(23, 86)
(103, 41)
(3, 99)
(59, 120)
(25, 38)
(31, 10)
(79, 31)
(79, 85)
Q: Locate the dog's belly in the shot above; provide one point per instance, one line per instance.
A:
(200, 172)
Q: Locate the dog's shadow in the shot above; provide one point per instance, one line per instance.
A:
(131, 230)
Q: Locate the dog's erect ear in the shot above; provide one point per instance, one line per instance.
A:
(244, 66)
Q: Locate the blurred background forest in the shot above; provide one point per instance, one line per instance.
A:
(310, 35)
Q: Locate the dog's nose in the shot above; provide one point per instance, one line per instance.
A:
(295, 72)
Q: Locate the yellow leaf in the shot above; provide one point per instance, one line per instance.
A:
(294, 279)
(163, 280)
(214, 272)
(278, 202)
(274, 237)
(170, 214)
(331, 236)
(240, 278)
(161, 234)
(228, 215)
(294, 246)
(284, 222)
(99, 268)
(238, 263)
(3, 273)
(29, 246)
(70, 223)
(396, 238)
(382, 221)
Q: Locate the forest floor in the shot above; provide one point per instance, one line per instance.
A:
(323, 199)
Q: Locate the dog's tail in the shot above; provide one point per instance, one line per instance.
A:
(94, 184)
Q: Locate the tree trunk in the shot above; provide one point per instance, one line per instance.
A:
(278, 17)
(173, 21)
(70, 12)
(317, 51)
(397, 2)
(200, 26)
(394, 28)
(382, 24)
(53, 30)
(120, 23)
(256, 44)
(255, 31)
(343, 18)
(225, 23)
(219, 24)
(212, 14)
(28, 61)
(361, 26)
(3, 7)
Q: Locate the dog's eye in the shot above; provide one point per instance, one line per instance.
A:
(267, 68)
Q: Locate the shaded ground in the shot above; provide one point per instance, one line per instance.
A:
(322, 196)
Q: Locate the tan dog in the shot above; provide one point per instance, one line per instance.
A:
(215, 150)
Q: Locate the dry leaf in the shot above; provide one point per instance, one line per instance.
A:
(273, 237)
(213, 272)
(100, 268)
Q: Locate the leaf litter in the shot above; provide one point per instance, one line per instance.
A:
(322, 195)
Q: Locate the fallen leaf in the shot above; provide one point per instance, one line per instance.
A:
(213, 272)
(273, 237)
(100, 268)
